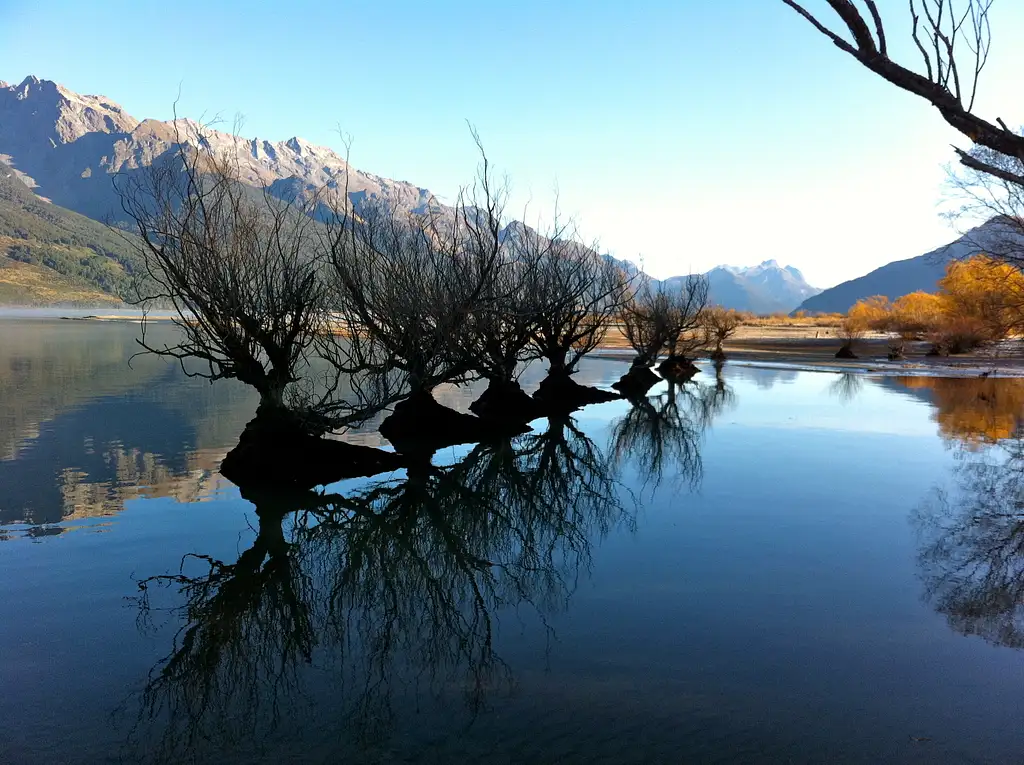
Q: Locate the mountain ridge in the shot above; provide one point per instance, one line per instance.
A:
(920, 273)
(764, 288)
(66, 147)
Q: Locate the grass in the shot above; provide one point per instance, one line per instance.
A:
(34, 285)
(800, 320)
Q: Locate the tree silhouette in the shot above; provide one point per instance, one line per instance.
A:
(397, 587)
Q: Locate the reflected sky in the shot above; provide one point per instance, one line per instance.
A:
(753, 567)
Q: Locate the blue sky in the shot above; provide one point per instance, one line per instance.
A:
(683, 133)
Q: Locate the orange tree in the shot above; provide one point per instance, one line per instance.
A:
(874, 313)
(985, 292)
(980, 300)
(917, 313)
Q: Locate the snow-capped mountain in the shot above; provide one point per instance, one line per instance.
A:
(764, 288)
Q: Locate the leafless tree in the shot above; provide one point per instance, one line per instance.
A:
(500, 334)
(411, 286)
(997, 198)
(953, 40)
(240, 268)
(578, 293)
(665, 318)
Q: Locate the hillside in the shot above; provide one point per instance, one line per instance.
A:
(902, 277)
(50, 255)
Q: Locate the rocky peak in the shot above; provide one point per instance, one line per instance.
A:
(50, 111)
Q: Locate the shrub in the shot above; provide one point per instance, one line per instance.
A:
(959, 334)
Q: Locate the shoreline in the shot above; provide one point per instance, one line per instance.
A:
(813, 349)
(802, 348)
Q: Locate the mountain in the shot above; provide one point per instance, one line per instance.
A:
(762, 289)
(51, 255)
(66, 147)
(902, 277)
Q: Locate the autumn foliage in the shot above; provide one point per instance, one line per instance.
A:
(980, 300)
(974, 411)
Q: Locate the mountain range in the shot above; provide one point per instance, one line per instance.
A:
(762, 289)
(59, 150)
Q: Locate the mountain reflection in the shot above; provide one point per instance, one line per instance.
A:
(395, 589)
(163, 438)
(81, 432)
(971, 537)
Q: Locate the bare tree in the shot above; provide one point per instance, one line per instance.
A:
(240, 268)
(498, 340)
(997, 198)
(687, 303)
(664, 318)
(953, 40)
(411, 286)
(850, 330)
(578, 293)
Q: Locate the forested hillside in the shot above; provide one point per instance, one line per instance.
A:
(52, 255)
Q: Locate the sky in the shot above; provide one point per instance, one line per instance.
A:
(681, 134)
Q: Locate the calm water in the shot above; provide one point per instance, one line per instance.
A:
(768, 566)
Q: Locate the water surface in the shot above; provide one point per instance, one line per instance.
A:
(760, 566)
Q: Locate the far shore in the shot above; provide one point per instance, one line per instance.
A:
(808, 347)
(766, 345)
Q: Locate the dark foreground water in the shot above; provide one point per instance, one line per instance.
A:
(767, 566)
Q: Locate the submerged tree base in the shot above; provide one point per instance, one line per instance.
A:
(678, 369)
(420, 424)
(275, 450)
(637, 381)
(506, 402)
(560, 393)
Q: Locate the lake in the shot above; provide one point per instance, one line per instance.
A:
(764, 565)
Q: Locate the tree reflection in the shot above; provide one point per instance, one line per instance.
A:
(846, 386)
(661, 434)
(971, 551)
(395, 588)
(974, 410)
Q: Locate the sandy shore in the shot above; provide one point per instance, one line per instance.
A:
(815, 348)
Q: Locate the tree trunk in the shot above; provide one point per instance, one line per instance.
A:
(420, 425)
(505, 401)
(556, 362)
(636, 382)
